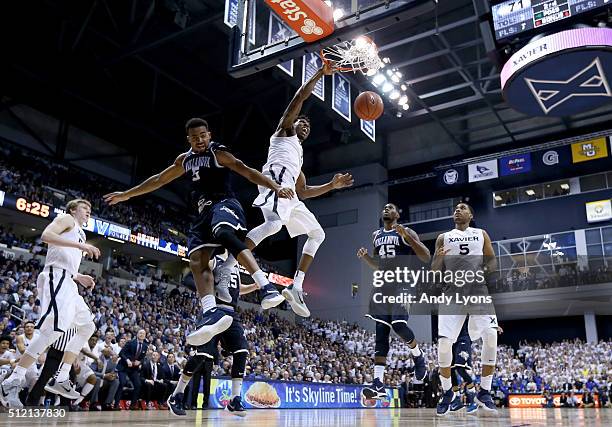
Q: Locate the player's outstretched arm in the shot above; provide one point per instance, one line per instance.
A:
(363, 255)
(304, 191)
(229, 161)
(247, 289)
(62, 223)
(438, 258)
(295, 106)
(152, 183)
(412, 238)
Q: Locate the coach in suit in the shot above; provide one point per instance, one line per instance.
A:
(131, 357)
(107, 384)
(152, 376)
(172, 373)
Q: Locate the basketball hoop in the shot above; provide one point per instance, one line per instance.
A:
(360, 54)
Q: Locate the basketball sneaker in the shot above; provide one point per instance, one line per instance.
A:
(484, 400)
(9, 392)
(212, 323)
(235, 407)
(456, 404)
(223, 277)
(420, 368)
(270, 297)
(471, 406)
(375, 391)
(445, 403)
(296, 300)
(64, 388)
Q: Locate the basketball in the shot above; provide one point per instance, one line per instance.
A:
(368, 106)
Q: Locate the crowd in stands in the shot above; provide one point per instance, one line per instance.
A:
(41, 179)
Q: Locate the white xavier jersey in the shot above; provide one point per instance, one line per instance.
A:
(465, 249)
(285, 151)
(26, 341)
(67, 258)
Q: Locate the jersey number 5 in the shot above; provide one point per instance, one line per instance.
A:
(464, 249)
(387, 251)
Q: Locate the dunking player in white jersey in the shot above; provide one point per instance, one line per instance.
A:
(466, 249)
(22, 342)
(61, 305)
(284, 166)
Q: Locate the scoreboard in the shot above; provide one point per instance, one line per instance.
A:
(513, 17)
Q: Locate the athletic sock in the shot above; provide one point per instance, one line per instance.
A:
(64, 372)
(446, 383)
(416, 351)
(208, 302)
(260, 278)
(485, 382)
(86, 389)
(298, 280)
(379, 372)
(180, 386)
(236, 387)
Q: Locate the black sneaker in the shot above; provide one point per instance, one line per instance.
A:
(213, 322)
(175, 405)
(376, 391)
(235, 407)
(270, 297)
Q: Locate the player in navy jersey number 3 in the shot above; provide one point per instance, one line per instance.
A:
(390, 242)
(219, 219)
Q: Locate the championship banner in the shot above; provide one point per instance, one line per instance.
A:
(369, 128)
(341, 96)
(311, 62)
(589, 150)
(284, 394)
(598, 211)
(482, 171)
(537, 400)
(512, 165)
(278, 31)
(457, 175)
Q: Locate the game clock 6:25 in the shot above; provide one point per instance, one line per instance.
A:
(33, 208)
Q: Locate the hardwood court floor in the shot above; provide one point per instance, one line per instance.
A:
(327, 417)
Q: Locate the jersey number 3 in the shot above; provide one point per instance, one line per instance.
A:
(196, 175)
(387, 251)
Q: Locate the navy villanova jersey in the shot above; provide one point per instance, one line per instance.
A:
(388, 245)
(209, 181)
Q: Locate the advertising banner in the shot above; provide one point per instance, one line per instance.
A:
(601, 210)
(482, 171)
(512, 165)
(537, 400)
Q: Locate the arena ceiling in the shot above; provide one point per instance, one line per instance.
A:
(132, 71)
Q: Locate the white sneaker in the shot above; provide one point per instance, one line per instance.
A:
(296, 300)
(9, 392)
(64, 388)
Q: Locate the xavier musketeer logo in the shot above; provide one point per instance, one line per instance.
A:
(591, 81)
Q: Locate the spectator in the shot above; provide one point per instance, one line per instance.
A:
(130, 363)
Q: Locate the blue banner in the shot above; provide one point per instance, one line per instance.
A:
(557, 157)
(311, 62)
(456, 175)
(369, 128)
(510, 165)
(277, 31)
(289, 394)
(341, 96)
(108, 229)
(168, 247)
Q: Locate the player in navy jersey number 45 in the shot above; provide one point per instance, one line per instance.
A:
(390, 242)
(219, 219)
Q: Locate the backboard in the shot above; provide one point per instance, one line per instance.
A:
(261, 40)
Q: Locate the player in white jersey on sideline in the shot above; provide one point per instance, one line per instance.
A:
(22, 342)
(61, 305)
(460, 250)
(284, 166)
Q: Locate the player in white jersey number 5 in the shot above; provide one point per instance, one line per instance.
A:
(61, 305)
(284, 166)
(466, 249)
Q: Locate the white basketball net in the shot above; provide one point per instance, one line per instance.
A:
(360, 54)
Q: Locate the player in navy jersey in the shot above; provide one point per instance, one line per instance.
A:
(462, 366)
(233, 341)
(219, 219)
(390, 242)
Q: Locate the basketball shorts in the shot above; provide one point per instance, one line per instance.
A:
(293, 213)
(449, 325)
(383, 310)
(60, 303)
(226, 212)
(462, 353)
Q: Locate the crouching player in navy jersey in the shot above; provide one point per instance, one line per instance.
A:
(219, 219)
(233, 341)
